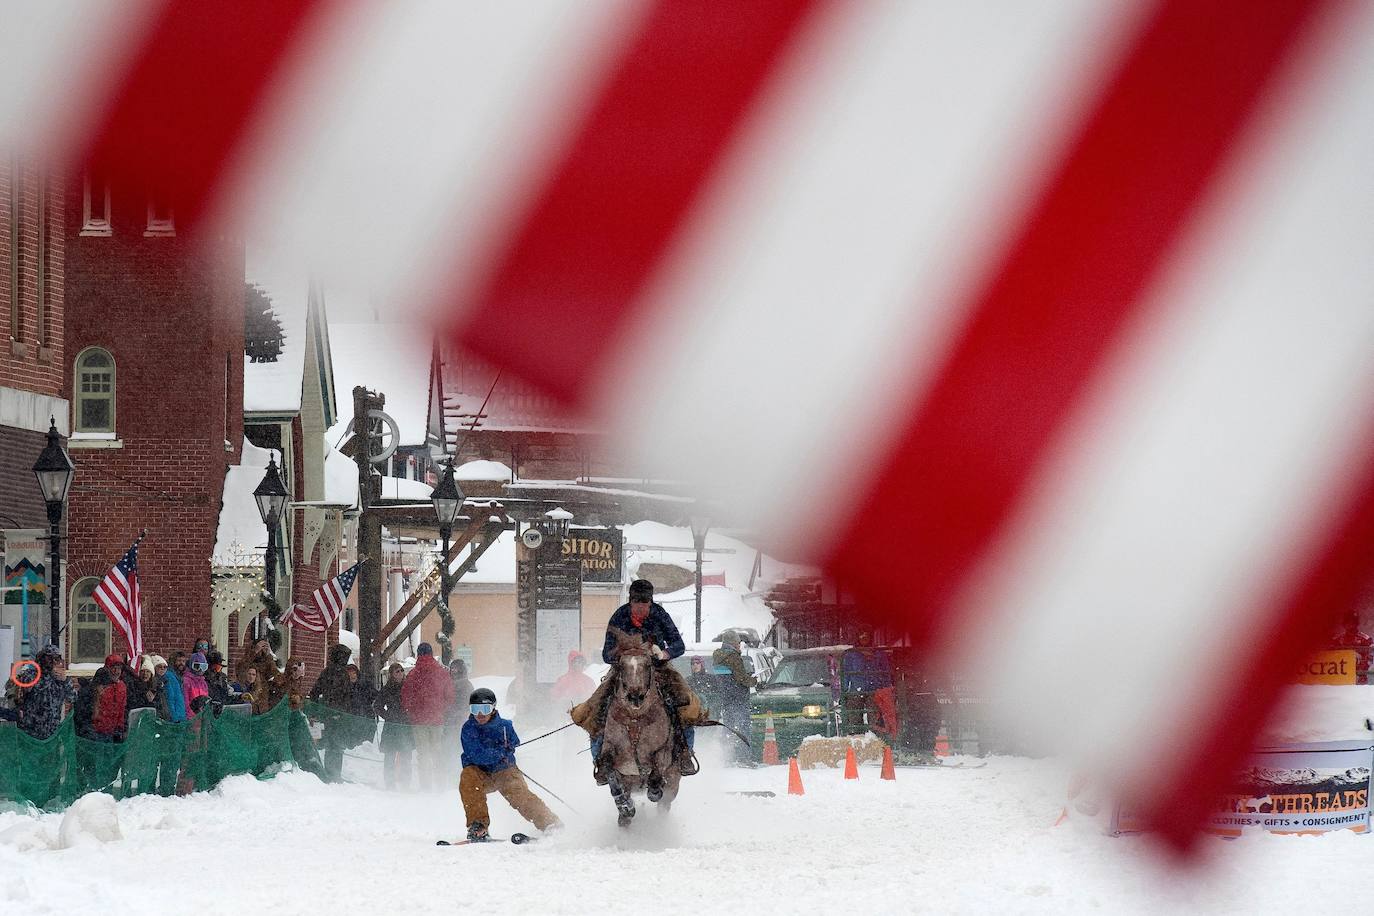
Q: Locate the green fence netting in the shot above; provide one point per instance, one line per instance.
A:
(156, 756)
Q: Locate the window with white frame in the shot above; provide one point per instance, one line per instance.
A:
(93, 387)
(91, 633)
(95, 204)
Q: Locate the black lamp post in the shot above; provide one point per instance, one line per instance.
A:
(558, 523)
(271, 498)
(448, 500)
(700, 525)
(54, 471)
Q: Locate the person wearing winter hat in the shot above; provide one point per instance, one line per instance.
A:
(489, 744)
(110, 717)
(334, 690)
(217, 680)
(397, 743)
(454, 717)
(45, 702)
(426, 695)
(171, 695)
(574, 686)
(193, 684)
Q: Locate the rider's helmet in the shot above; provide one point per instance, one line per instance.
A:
(483, 695)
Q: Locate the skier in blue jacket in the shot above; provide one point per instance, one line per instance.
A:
(489, 744)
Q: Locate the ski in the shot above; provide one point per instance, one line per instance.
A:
(519, 839)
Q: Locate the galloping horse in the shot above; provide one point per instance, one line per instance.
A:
(637, 746)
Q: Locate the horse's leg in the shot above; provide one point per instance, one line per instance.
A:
(624, 804)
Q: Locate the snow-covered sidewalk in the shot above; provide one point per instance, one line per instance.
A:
(960, 841)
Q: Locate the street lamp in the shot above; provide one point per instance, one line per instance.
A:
(54, 471)
(700, 525)
(271, 499)
(448, 499)
(558, 524)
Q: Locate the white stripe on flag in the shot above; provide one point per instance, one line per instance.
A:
(1195, 483)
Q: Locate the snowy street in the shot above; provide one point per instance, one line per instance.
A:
(972, 840)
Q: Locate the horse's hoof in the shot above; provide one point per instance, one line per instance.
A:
(624, 819)
(655, 793)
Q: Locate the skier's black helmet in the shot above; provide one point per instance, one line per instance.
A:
(482, 695)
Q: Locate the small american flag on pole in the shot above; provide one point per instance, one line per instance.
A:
(117, 596)
(326, 603)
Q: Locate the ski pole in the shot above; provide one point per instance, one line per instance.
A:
(548, 790)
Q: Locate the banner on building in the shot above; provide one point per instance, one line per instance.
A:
(26, 566)
(1334, 666)
(1301, 788)
(1290, 789)
(600, 551)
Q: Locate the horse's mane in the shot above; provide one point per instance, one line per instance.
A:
(629, 643)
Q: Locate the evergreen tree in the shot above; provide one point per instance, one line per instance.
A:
(262, 333)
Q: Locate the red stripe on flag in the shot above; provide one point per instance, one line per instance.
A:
(185, 104)
(1057, 302)
(1045, 324)
(575, 269)
(1298, 622)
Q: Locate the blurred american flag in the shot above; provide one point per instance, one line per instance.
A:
(1070, 300)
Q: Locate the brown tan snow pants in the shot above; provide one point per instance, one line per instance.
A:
(476, 784)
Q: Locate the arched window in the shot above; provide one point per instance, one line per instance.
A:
(91, 631)
(93, 384)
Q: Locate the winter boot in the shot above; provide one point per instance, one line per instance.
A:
(477, 832)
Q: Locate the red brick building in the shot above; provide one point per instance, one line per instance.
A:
(32, 216)
(153, 362)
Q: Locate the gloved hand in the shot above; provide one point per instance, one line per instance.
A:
(657, 654)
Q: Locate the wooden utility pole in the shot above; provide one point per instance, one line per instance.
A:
(369, 585)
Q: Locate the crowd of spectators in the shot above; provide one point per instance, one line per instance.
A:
(419, 711)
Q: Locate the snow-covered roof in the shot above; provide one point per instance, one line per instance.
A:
(400, 488)
(241, 538)
(482, 470)
(340, 477)
(390, 358)
(276, 387)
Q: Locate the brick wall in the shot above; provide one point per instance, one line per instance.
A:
(171, 315)
(19, 500)
(32, 254)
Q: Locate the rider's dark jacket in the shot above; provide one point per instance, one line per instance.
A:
(657, 626)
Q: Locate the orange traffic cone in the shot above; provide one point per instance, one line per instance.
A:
(889, 771)
(851, 764)
(942, 743)
(770, 742)
(794, 783)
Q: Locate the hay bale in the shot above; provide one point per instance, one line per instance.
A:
(816, 751)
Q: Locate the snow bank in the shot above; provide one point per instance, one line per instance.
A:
(934, 841)
(1320, 713)
(92, 818)
(482, 470)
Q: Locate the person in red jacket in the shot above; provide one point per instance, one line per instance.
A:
(426, 697)
(109, 718)
(574, 686)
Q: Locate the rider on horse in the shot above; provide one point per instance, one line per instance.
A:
(643, 617)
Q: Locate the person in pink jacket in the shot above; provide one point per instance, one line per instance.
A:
(426, 697)
(194, 685)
